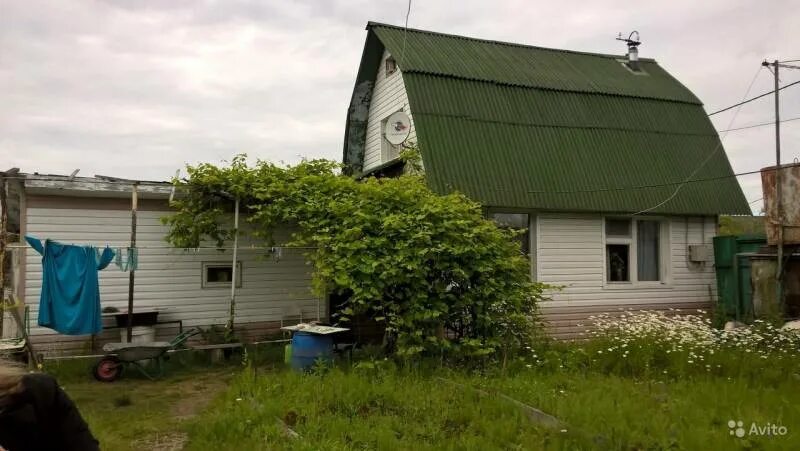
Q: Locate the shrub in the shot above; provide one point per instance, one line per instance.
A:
(441, 276)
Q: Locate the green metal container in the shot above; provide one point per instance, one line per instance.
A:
(724, 251)
(734, 287)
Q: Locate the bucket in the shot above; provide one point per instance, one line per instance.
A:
(307, 348)
(139, 334)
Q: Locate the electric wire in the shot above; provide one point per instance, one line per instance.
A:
(405, 32)
(762, 124)
(712, 153)
(754, 98)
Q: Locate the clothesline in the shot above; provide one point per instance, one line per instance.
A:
(241, 248)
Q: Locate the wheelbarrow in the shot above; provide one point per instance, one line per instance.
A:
(119, 355)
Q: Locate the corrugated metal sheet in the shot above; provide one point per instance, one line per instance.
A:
(521, 65)
(526, 127)
(529, 148)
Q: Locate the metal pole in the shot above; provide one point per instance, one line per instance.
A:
(131, 274)
(233, 267)
(3, 238)
(778, 190)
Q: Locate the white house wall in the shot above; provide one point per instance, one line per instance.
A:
(388, 96)
(167, 278)
(570, 255)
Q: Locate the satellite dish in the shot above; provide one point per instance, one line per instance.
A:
(397, 128)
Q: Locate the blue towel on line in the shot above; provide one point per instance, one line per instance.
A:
(70, 300)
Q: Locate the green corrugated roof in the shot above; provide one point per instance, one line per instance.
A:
(527, 127)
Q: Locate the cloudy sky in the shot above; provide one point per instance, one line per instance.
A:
(139, 88)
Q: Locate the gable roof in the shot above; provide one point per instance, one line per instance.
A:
(528, 127)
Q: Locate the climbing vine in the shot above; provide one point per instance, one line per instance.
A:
(431, 267)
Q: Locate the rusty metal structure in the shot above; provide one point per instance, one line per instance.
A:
(782, 222)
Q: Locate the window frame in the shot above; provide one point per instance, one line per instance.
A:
(205, 284)
(386, 62)
(664, 263)
(532, 233)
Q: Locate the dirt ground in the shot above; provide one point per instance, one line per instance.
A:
(134, 413)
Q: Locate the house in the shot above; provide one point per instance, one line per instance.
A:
(188, 287)
(588, 152)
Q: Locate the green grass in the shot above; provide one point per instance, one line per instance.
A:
(389, 409)
(377, 405)
(134, 413)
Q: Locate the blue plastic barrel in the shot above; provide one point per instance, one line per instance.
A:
(307, 348)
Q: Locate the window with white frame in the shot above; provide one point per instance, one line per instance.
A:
(634, 250)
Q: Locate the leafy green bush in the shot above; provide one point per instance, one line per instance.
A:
(441, 276)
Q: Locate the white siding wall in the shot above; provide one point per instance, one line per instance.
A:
(170, 278)
(570, 253)
(388, 96)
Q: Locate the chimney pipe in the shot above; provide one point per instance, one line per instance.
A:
(633, 50)
(633, 57)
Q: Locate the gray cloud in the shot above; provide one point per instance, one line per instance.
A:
(137, 89)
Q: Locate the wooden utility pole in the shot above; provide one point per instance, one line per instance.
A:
(3, 242)
(132, 271)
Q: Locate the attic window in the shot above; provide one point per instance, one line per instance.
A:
(391, 66)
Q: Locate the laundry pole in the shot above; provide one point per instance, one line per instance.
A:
(234, 274)
(131, 274)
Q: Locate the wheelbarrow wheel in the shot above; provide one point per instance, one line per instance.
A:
(108, 369)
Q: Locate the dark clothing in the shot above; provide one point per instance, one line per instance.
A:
(41, 417)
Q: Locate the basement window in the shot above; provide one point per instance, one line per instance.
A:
(391, 66)
(219, 275)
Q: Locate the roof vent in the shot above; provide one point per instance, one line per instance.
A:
(633, 50)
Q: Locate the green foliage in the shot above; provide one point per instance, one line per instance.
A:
(425, 264)
(741, 225)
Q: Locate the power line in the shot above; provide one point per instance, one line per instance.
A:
(405, 32)
(754, 98)
(754, 201)
(713, 152)
(762, 124)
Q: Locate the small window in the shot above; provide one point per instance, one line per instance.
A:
(618, 228)
(391, 66)
(618, 262)
(219, 275)
(515, 221)
(618, 250)
(634, 250)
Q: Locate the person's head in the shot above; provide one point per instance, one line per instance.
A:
(10, 377)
